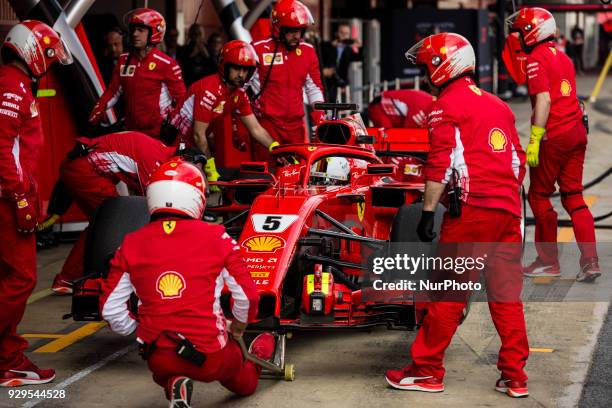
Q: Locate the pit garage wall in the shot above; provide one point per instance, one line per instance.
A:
(404, 28)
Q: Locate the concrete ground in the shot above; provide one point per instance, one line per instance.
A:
(96, 368)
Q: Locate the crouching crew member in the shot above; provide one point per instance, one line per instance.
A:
(178, 266)
(215, 96)
(557, 145)
(91, 173)
(30, 49)
(474, 144)
(402, 108)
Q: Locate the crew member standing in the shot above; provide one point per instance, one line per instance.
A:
(214, 97)
(91, 173)
(556, 147)
(150, 81)
(402, 108)
(289, 70)
(30, 48)
(178, 266)
(474, 145)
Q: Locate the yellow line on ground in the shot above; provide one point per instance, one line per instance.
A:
(541, 350)
(42, 335)
(70, 338)
(566, 234)
(39, 295)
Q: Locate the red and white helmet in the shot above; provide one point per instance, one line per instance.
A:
(151, 19)
(290, 14)
(238, 53)
(446, 56)
(177, 187)
(37, 45)
(533, 24)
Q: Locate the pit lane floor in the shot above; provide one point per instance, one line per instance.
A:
(99, 369)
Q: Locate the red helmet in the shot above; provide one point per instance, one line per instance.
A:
(533, 24)
(177, 187)
(37, 45)
(446, 56)
(151, 19)
(290, 14)
(237, 53)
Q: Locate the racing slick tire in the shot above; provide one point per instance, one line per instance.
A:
(115, 218)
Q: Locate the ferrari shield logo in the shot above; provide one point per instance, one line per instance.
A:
(236, 99)
(169, 226)
(361, 210)
(298, 52)
(170, 285)
(475, 89)
(497, 140)
(220, 107)
(152, 66)
(553, 50)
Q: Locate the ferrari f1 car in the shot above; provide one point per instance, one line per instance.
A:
(305, 229)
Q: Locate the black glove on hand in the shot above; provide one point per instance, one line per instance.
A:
(425, 228)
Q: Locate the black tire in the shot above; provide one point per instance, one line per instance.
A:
(114, 219)
(404, 227)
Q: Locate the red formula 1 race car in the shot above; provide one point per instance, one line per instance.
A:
(306, 230)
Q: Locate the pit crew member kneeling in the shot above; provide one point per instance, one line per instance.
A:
(474, 144)
(178, 265)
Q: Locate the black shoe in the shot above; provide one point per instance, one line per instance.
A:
(181, 389)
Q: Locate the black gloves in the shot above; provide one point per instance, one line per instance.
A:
(425, 228)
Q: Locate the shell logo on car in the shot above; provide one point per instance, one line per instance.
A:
(170, 285)
(497, 140)
(263, 243)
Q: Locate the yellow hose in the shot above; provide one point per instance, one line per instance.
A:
(602, 77)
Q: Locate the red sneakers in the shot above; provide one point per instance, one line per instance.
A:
(410, 380)
(514, 389)
(589, 271)
(538, 268)
(27, 373)
(61, 287)
(181, 389)
(263, 346)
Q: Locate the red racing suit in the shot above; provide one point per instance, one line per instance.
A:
(179, 282)
(208, 100)
(280, 104)
(130, 157)
(403, 108)
(473, 132)
(21, 139)
(150, 88)
(561, 157)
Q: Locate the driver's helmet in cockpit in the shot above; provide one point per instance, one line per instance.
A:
(330, 171)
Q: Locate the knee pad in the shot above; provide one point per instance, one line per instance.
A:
(539, 203)
(573, 202)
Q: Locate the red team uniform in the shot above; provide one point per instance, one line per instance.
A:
(129, 157)
(403, 108)
(179, 281)
(149, 87)
(561, 154)
(31, 47)
(208, 99)
(471, 133)
(284, 78)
